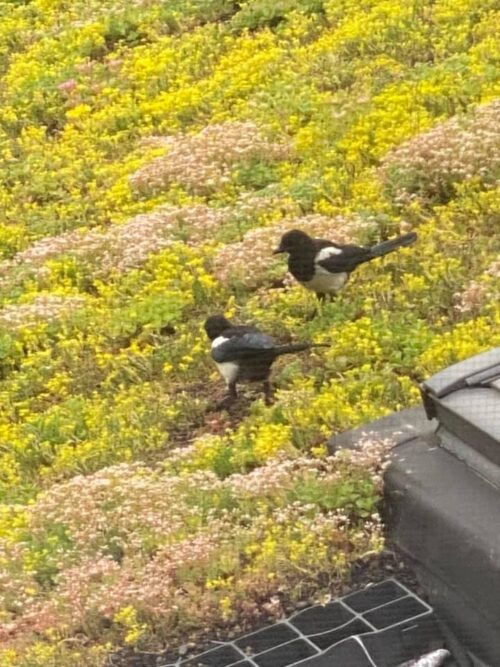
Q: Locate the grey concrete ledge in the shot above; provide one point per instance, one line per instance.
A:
(399, 426)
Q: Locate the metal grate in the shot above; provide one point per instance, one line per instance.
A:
(383, 625)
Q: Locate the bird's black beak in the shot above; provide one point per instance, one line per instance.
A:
(277, 251)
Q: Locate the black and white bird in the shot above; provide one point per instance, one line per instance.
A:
(245, 354)
(324, 266)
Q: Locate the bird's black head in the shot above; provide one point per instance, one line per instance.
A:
(294, 241)
(215, 325)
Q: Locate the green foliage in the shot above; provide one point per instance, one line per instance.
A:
(151, 155)
(256, 14)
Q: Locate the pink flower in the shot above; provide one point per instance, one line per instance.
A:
(67, 86)
(432, 163)
(84, 68)
(114, 64)
(202, 162)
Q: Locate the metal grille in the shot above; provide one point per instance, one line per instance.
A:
(383, 625)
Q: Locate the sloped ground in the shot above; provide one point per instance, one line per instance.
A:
(151, 155)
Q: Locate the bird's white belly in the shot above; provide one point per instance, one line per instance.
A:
(228, 370)
(326, 283)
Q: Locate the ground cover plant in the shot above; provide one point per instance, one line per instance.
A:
(151, 155)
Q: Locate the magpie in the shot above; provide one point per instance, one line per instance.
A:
(324, 266)
(245, 354)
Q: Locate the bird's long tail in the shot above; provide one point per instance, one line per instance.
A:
(296, 347)
(392, 244)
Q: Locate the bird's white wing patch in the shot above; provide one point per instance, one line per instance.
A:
(331, 284)
(325, 253)
(228, 369)
(219, 341)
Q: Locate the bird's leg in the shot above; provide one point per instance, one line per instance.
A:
(321, 304)
(229, 398)
(231, 391)
(268, 392)
(323, 300)
(318, 310)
